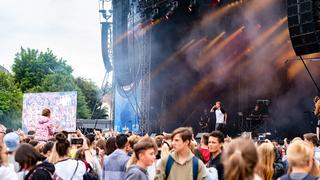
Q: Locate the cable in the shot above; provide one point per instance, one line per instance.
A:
(98, 99)
(314, 82)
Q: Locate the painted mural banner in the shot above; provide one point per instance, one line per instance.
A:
(63, 107)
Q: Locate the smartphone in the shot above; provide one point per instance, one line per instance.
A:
(78, 141)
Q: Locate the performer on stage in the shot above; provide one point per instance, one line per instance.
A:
(204, 121)
(221, 116)
(316, 101)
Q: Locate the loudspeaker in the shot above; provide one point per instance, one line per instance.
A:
(303, 24)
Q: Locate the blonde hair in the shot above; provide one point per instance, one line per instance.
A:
(299, 154)
(133, 139)
(54, 157)
(266, 159)
(239, 158)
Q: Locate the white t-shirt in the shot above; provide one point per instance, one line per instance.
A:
(66, 168)
(219, 116)
(7, 173)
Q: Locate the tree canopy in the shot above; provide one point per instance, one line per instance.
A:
(10, 101)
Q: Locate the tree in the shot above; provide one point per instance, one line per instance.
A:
(30, 67)
(93, 96)
(64, 82)
(10, 101)
(36, 71)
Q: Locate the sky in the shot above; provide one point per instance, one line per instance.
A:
(71, 29)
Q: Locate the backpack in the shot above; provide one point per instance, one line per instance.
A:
(52, 176)
(90, 174)
(195, 165)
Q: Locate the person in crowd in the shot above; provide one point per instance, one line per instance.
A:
(90, 172)
(32, 167)
(203, 148)
(67, 168)
(114, 166)
(240, 158)
(312, 139)
(196, 151)
(34, 143)
(145, 151)
(92, 147)
(110, 145)
(266, 160)
(316, 112)
(3, 130)
(6, 172)
(152, 169)
(12, 142)
(133, 139)
(166, 145)
(215, 145)
(44, 127)
(181, 163)
(101, 148)
(221, 116)
(159, 140)
(47, 149)
(300, 159)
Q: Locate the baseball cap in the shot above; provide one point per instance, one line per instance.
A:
(12, 141)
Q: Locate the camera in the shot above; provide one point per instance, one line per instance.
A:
(77, 141)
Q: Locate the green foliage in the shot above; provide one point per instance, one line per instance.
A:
(10, 101)
(36, 71)
(30, 67)
(93, 96)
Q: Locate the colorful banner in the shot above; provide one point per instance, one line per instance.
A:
(63, 107)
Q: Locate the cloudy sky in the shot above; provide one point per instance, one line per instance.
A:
(69, 28)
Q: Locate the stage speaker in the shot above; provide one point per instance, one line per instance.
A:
(303, 24)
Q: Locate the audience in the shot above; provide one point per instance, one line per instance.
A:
(166, 156)
(240, 158)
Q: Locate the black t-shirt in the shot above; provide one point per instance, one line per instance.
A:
(216, 163)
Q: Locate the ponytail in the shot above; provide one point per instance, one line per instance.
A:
(239, 159)
(236, 167)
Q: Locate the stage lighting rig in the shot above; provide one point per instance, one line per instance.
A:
(192, 5)
(171, 6)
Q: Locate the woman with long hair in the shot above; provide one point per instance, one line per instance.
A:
(240, 158)
(266, 161)
(75, 168)
(31, 165)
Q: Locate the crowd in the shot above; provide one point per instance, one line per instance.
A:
(42, 154)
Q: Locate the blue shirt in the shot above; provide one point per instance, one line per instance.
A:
(114, 166)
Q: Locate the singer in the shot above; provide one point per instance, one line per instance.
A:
(221, 116)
